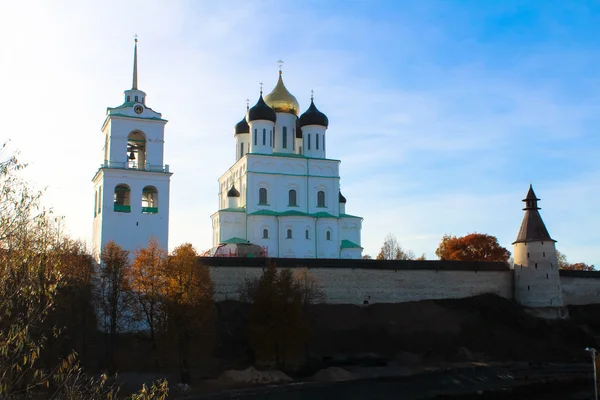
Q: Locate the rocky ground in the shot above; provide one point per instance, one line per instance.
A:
(520, 381)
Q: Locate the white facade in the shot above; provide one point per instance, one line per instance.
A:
(289, 193)
(131, 187)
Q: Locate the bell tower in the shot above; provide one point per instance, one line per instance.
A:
(131, 187)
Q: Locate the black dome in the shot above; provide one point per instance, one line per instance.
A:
(242, 127)
(342, 198)
(298, 129)
(313, 116)
(261, 111)
(233, 192)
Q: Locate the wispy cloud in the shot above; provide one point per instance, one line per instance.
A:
(440, 114)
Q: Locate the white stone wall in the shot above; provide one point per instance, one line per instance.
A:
(316, 135)
(133, 229)
(350, 229)
(289, 122)
(537, 280)
(261, 136)
(355, 286)
(579, 291)
(242, 145)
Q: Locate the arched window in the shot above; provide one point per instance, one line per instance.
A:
(256, 137)
(272, 136)
(136, 99)
(320, 198)
(128, 99)
(308, 141)
(306, 234)
(150, 200)
(95, 203)
(100, 200)
(317, 141)
(262, 196)
(284, 137)
(264, 137)
(328, 235)
(292, 198)
(293, 139)
(289, 234)
(121, 198)
(265, 233)
(241, 149)
(323, 142)
(136, 150)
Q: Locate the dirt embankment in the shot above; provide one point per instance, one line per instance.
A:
(481, 328)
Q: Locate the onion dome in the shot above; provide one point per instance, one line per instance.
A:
(233, 192)
(281, 100)
(241, 127)
(261, 111)
(298, 130)
(342, 198)
(313, 116)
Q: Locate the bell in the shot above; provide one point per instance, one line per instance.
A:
(131, 156)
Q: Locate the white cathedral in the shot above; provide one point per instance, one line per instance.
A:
(283, 194)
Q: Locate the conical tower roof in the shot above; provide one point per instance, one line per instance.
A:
(533, 228)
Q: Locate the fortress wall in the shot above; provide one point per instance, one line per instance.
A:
(580, 287)
(357, 285)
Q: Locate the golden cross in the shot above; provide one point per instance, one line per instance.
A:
(136, 37)
(280, 63)
(260, 87)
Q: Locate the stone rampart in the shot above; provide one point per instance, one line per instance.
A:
(580, 287)
(374, 281)
(398, 281)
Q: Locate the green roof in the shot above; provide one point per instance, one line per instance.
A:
(349, 216)
(346, 244)
(265, 212)
(124, 105)
(235, 240)
(323, 215)
(131, 116)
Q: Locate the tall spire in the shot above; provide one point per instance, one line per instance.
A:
(533, 228)
(134, 84)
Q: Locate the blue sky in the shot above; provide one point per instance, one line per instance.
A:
(441, 112)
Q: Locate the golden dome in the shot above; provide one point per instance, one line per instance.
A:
(281, 100)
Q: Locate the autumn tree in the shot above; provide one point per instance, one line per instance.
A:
(148, 278)
(114, 292)
(74, 311)
(188, 293)
(564, 264)
(29, 276)
(391, 250)
(36, 261)
(310, 290)
(279, 322)
(472, 247)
